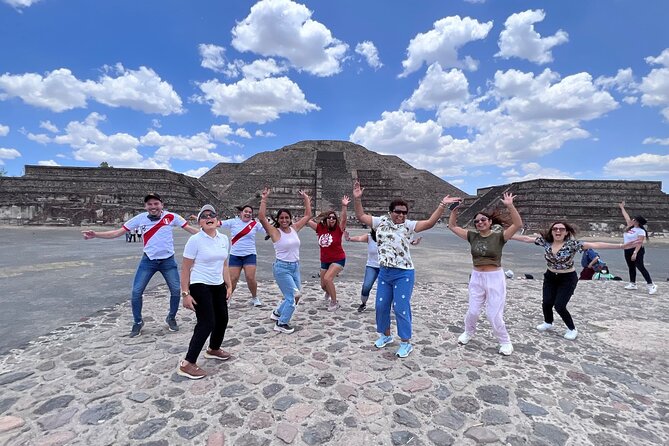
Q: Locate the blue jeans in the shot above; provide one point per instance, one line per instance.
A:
(287, 276)
(371, 274)
(394, 289)
(145, 271)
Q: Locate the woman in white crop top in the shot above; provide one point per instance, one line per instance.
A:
(287, 265)
(634, 256)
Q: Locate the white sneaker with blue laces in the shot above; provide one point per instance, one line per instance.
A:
(383, 341)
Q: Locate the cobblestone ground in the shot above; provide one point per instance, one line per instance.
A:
(88, 383)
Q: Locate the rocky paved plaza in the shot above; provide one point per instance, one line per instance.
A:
(89, 383)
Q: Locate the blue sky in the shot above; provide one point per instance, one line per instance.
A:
(478, 92)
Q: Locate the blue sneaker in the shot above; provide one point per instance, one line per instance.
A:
(404, 350)
(383, 341)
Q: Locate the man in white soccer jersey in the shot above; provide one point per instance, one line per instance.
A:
(156, 226)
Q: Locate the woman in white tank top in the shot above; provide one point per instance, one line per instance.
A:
(287, 265)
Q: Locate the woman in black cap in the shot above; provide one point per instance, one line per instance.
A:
(634, 256)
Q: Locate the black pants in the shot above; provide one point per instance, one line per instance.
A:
(633, 265)
(558, 289)
(211, 310)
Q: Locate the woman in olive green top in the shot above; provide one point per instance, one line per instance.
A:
(487, 285)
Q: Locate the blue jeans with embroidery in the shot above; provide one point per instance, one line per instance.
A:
(145, 271)
(394, 289)
(287, 276)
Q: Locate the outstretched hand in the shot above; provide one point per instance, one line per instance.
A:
(304, 194)
(621, 204)
(507, 199)
(88, 234)
(345, 200)
(357, 190)
(265, 192)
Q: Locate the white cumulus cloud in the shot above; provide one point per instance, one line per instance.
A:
(19, 4)
(4, 130)
(59, 90)
(47, 125)
(283, 28)
(519, 39)
(438, 87)
(8, 154)
(660, 141)
(644, 165)
(258, 101)
(198, 147)
(533, 171)
(47, 163)
(441, 44)
(213, 57)
(196, 173)
(655, 86)
(368, 50)
(262, 68)
(263, 134)
(623, 81)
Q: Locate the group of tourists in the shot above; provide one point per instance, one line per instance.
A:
(212, 265)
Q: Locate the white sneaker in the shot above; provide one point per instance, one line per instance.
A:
(630, 286)
(652, 288)
(544, 326)
(506, 349)
(333, 306)
(464, 338)
(571, 334)
(255, 302)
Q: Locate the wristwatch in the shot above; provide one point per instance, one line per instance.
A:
(185, 293)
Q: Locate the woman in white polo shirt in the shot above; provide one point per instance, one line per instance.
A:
(205, 270)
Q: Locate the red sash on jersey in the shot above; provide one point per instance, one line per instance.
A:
(165, 221)
(243, 232)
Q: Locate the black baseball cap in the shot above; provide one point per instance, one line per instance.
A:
(153, 196)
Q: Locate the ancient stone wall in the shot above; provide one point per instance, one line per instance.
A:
(591, 205)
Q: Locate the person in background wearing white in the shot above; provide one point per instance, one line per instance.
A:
(286, 267)
(209, 288)
(634, 256)
(487, 283)
(243, 254)
(158, 256)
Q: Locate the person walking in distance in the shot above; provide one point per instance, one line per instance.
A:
(158, 256)
(636, 228)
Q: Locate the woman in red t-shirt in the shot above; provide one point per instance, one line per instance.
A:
(333, 258)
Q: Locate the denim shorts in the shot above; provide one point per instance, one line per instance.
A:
(326, 265)
(239, 261)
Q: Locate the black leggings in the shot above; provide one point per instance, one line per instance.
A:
(558, 289)
(633, 265)
(211, 310)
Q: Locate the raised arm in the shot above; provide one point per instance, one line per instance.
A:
(626, 216)
(516, 221)
(299, 224)
(423, 225)
(524, 238)
(604, 245)
(453, 225)
(262, 216)
(103, 234)
(342, 215)
(357, 205)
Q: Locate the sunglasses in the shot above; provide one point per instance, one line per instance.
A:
(208, 215)
(481, 220)
(559, 229)
(397, 211)
(331, 217)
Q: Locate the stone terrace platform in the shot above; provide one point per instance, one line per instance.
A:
(88, 383)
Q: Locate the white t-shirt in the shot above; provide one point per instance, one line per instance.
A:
(156, 235)
(372, 252)
(393, 241)
(632, 234)
(246, 245)
(209, 254)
